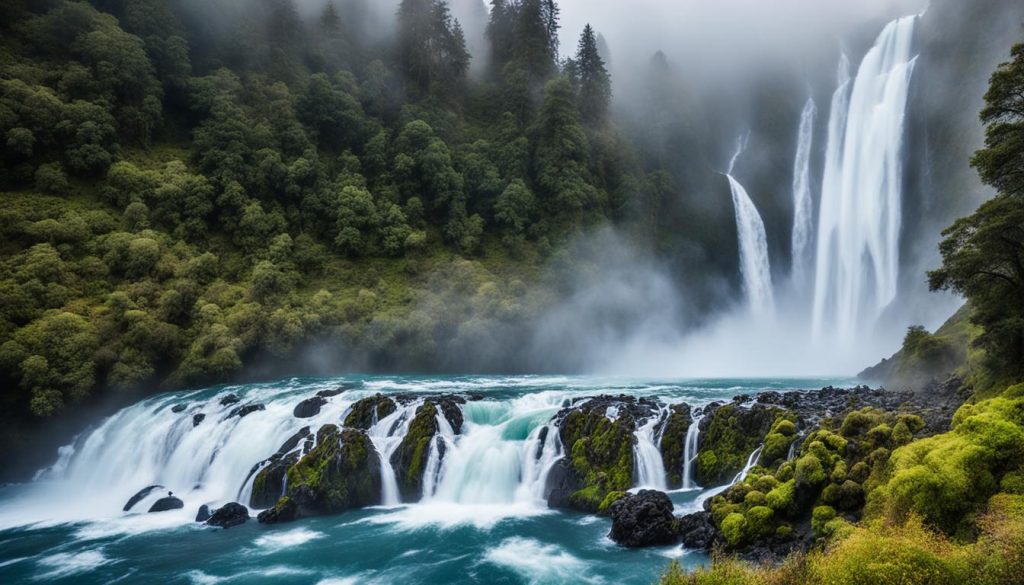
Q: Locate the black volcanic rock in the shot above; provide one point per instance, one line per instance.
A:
(228, 515)
(697, 531)
(179, 407)
(244, 411)
(198, 418)
(230, 399)
(643, 519)
(203, 514)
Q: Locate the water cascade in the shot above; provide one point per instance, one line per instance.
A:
(859, 223)
(803, 213)
(650, 467)
(690, 452)
(753, 244)
(386, 435)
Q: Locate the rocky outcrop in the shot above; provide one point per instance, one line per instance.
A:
(169, 502)
(268, 485)
(309, 407)
(643, 519)
(366, 412)
(410, 458)
(598, 438)
(230, 399)
(141, 495)
(729, 433)
(697, 531)
(244, 411)
(228, 515)
(203, 514)
(673, 442)
(341, 473)
(179, 408)
(198, 418)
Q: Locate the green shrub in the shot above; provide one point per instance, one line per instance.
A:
(780, 499)
(734, 528)
(809, 471)
(820, 516)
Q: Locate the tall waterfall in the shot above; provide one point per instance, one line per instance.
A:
(859, 223)
(803, 213)
(753, 244)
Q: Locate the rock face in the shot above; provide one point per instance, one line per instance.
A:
(341, 473)
(167, 503)
(729, 434)
(643, 519)
(268, 485)
(697, 531)
(673, 442)
(309, 407)
(141, 495)
(228, 515)
(410, 458)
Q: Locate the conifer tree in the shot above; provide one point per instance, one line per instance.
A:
(595, 89)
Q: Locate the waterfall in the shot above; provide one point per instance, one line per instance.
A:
(753, 244)
(859, 222)
(537, 465)
(690, 452)
(442, 441)
(698, 503)
(803, 214)
(386, 435)
(650, 468)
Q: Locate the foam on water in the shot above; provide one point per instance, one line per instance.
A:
(60, 565)
(287, 539)
(537, 562)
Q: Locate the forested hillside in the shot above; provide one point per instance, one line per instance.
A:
(193, 189)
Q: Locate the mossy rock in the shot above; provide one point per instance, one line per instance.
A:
(268, 485)
(368, 411)
(777, 442)
(600, 455)
(673, 442)
(341, 473)
(410, 458)
(731, 435)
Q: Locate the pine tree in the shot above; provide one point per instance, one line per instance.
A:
(432, 47)
(500, 34)
(595, 89)
(535, 39)
(330, 22)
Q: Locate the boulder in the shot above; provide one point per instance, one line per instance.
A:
(729, 433)
(179, 407)
(341, 473)
(230, 399)
(141, 495)
(228, 515)
(203, 514)
(673, 442)
(643, 519)
(697, 531)
(309, 407)
(244, 411)
(329, 393)
(268, 485)
(368, 411)
(198, 418)
(410, 458)
(166, 503)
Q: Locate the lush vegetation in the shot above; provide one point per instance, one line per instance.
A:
(948, 508)
(190, 189)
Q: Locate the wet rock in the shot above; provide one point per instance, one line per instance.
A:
(244, 411)
(228, 515)
(141, 495)
(203, 514)
(293, 441)
(309, 407)
(451, 408)
(179, 407)
(198, 418)
(366, 412)
(329, 393)
(697, 531)
(230, 399)
(285, 510)
(410, 458)
(673, 442)
(729, 433)
(268, 485)
(643, 519)
(341, 473)
(166, 503)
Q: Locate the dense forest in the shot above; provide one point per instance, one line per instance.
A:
(193, 190)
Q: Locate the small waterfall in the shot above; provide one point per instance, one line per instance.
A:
(650, 468)
(690, 452)
(753, 244)
(442, 441)
(859, 223)
(803, 213)
(537, 463)
(386, 435)
(698, 503)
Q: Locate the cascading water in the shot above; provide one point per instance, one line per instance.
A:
(803, 214)
(690, 452)
(386, 435)
(753, 244)
(859, 222)
(650, 467)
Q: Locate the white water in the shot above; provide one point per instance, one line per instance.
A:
(386, 435)
(650, 467)
(753, 244)
(698, 503)
(803, 212)
(690, 452)
(859, 223)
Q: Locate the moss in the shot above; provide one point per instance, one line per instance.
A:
(820, 517)
(880, 435)
(778, 440)
(601, 455)
(367, 411)
(1013, 483)
(754, 498)
(673, 443)
(731, 436)
(784, 532)
(901, 434)
(606, 504)
(734, 528)
(342, 472)
(760, 521)
(809, 471)
(780, 499)
(410, 458)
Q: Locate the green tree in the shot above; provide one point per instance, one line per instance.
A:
(561, 155)
(595, 87)
(431, 47)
